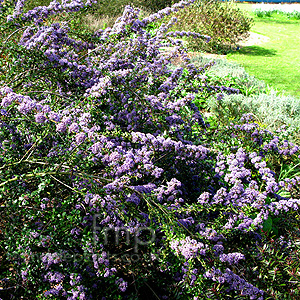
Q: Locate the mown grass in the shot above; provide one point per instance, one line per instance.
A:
(276, 61)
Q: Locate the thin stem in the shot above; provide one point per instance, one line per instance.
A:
(64, 184)
(52, 93)
(32, 175)
(21, 75)
(13, 34)
(152, 290)
(59, 166)
(33, 147)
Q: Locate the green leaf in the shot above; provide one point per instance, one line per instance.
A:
(275, 230)
(267, 225)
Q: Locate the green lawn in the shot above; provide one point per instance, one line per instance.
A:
(277, 61)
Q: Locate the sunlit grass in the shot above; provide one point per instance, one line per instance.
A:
(276, 61)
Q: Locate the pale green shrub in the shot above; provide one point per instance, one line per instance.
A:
(224, 22)
(278, 113)
(231, 74)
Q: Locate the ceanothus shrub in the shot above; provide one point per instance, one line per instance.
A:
(103, 133)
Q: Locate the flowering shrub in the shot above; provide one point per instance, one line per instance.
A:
(100, 134)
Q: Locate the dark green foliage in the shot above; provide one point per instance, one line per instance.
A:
(279, 266)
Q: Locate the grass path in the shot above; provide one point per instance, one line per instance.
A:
(276, 61)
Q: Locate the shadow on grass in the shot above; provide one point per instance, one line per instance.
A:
(257, 51)
(284, 20)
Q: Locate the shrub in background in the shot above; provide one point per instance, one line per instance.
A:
(105, 12)
(111, 7)
(154, 5)
(226, 24)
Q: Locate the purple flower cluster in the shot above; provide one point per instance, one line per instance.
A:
(50, 258)
(122, 284)
(188, 33)
(183, 151)
(56, 291)
(75, 279)
(100, 87)
(231, 258)
(42, 12)
(235, 282)
(54, 277)
(188, 248)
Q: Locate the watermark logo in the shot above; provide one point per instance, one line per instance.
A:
(117, 232)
